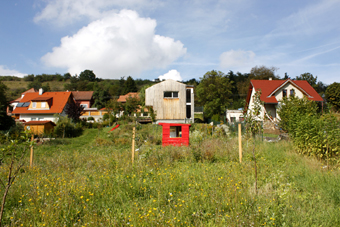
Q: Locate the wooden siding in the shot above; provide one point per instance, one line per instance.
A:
(167, 108)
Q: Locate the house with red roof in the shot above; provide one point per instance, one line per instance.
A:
(42, 106)
(273, 92)
(84, 98)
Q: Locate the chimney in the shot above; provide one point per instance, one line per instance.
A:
(41, 91)
(270, 78)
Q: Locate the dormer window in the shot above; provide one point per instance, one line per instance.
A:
(43, 105)
(34, 105)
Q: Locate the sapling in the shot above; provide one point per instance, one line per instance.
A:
(13, 156)
(253, 124)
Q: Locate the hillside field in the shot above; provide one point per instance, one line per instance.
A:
(90, 181)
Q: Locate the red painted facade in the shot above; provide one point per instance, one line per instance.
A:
(175, 134)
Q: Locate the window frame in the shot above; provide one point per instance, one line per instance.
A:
(173, 94)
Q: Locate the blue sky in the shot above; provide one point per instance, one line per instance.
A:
(173, 39)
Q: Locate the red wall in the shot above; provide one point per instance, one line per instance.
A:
(178, 141)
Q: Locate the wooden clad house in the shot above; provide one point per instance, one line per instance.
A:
(172, 101)
(40, 127)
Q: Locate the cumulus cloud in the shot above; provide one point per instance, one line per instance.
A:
(118, 45)
(236, 58)
(63, 12)
(4, 71)
(172, 74)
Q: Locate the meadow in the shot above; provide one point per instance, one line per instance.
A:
(91, 181)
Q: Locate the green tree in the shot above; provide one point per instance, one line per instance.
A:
(100, 95)
(263, 73)
(310, 79)
(131, 106)
(87, 75)
(129, 85)
(333, 95)
(214, 93)
(5, 121)
(74, 111)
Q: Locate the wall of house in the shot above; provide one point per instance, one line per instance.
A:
(168, 108)
(234, 114)
(38, 117)
(251, 104)
(288, 87)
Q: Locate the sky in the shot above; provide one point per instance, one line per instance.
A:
(176, 39)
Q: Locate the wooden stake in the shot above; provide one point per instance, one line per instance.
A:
(31, 157)
(133, 144)
(240, 142)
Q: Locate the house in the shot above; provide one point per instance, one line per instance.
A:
(84, 98)
(172, 101)
(95, 113)
(273, 92)
(14, 103)
(175, 134)
(42, 106)
(233, 116)
(122, 99)
(39, 127)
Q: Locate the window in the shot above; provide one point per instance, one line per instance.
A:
(83, 105)
(175, 131)
(43, 105)
(171, 94)
(232, 119)
(284, 93)
(34, 105)
(33, 119)
(292, 92)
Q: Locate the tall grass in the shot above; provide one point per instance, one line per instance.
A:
(90, 181)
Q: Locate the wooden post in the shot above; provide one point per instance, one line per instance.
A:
(31, 157)
(240, 142)
(133, 144)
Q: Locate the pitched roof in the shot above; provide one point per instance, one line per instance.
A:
(32, 90)
(269, 87)
(123, 98)
(59, 100)
(82, 95)
(39, 123)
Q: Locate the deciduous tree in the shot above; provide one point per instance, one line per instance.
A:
(214, 92)
(333, 95)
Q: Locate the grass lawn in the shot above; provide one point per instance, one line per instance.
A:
(90, 181)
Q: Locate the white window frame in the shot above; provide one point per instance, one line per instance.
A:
(172, 95)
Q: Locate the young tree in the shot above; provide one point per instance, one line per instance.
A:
(113, 107)
(214, 93)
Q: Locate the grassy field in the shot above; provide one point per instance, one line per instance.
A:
(90, 181)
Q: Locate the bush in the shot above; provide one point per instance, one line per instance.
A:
(90, 119)
(65, 128)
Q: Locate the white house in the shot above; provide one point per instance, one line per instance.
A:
(273, 92)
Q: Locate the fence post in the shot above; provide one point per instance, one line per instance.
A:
(133, 144)
(240, 142)
(31, 156)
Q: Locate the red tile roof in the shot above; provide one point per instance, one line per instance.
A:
(269, 87)
(59, 100)
(82, 95)
(32, 90)
(123, 98)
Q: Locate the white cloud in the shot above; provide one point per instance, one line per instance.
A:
(117, 45)
(236, 58)
(63, 12)
(4, 71)
(172, 74)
